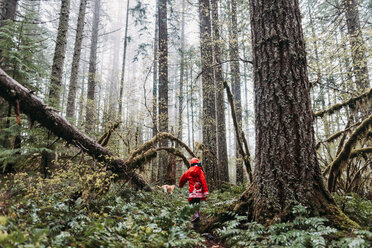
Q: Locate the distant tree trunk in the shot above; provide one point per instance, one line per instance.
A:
(182, 72)
(163, 85)
(358, 48)
(209, 102)
(59, 55)
(155, 163)
(220, 98)
(235, 75)
(123, 67)
(92, 81)
(7, 12)
(70, 112)
(287, 172)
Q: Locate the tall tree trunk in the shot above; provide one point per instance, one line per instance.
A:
(123, 65)
(163, 84)
(235, 75)
(59, 55)
(358, 48)
(286, 168)
(7, 12)
(92, 80)
(220, 98)
(155, 164)
(182, 72)
(209, 126)
(70, 112)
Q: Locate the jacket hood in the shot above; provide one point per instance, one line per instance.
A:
(194, 171)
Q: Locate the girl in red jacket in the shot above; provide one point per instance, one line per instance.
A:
(198, 189)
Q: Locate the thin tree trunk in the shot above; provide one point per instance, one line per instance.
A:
(70, 111)
(155, 164)
(209, 126)
(59, 55)
(123, 67)
(182, 72)
(222, 162)
(235, 75)
(90, 118)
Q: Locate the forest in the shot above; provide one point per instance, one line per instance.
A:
(185, 123)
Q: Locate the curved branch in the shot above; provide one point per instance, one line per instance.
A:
(335, 135)
(245, 154)
(343, 156)
(350, 102)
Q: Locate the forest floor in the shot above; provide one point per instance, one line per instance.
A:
(67, 211)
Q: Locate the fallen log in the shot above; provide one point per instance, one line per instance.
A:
(15, 93)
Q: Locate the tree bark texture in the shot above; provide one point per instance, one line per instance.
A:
(209, 126)
(182, 73)
(155, 164)
(12, 91)
(123, 65)
(163, 84)
(286, 168)
(358, 48)
(92, 77)
(70, 111)
(59, 55)
(220, 98)
(235, 86)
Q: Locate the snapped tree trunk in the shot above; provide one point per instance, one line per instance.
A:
(70, 111)
(92, 77)
(29, 104)
(209, 102)
(287, 172)
(220, 98)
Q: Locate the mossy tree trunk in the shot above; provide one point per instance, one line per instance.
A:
(70, 111)
(163, 85)
(209, 99)
(92, 77)
(220, 98)
(236, 89)
(287, 172)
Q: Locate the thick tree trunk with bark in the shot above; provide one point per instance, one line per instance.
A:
(29, 104)
(209, 102)
(235, 75)
(220, 98)
(70, 112)
(92, 79)
(59, 55)
(163, 84)
(287, 172)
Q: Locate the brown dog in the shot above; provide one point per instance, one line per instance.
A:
(167, 188)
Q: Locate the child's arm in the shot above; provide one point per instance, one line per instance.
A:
(183, 180)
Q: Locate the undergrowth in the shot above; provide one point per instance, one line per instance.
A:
(77, 208)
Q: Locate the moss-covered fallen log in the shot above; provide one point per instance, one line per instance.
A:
(15, 93)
